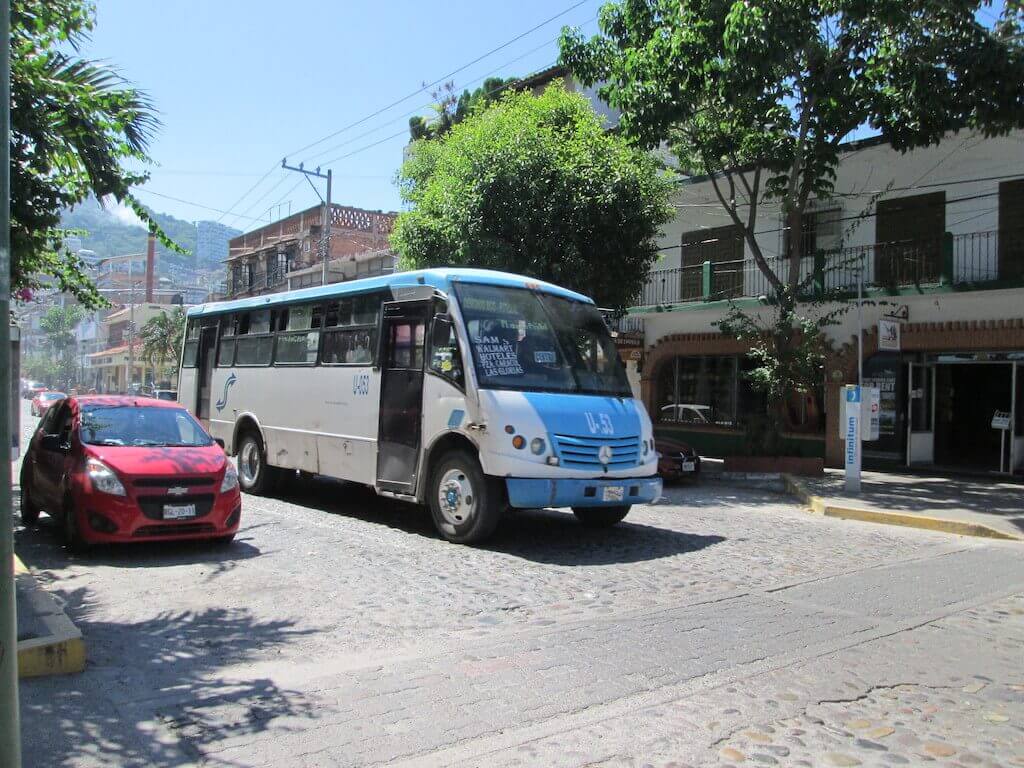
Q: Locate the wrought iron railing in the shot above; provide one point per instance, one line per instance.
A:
(965, 259)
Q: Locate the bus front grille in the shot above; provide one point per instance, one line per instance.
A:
(584, 452)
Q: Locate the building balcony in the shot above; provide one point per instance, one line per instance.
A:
(974, 260)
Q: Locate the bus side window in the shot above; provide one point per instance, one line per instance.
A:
(188, 358)
(226, 346)
(446, 361)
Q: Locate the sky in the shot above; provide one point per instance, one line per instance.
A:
(241, 84)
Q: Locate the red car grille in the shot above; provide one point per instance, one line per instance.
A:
(181, 529)
(171, 482)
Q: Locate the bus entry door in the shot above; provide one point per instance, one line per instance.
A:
(403, 331)
(204, 373)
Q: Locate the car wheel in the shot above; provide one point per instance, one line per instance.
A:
(71, 536)
(29, 511)
(601, 517)
(253, 473)
(466, 504)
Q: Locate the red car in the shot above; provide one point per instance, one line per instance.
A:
(677, 460)
(118, 469)
(42, 402)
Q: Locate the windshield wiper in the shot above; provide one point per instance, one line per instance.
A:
(107, 441)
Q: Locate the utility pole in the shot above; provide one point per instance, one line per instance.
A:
(325, 236)
(131, 330)
(10, 730)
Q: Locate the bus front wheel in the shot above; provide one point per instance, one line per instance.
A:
(601, 517)
(253, 473)
(465, 503)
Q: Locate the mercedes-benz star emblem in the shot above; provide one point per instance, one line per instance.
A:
(604, 454)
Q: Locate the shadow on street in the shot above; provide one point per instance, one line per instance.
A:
(547, 536)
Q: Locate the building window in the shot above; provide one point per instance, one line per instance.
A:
(712, 391)
(698, 390)
(723, 247)
(821, 231)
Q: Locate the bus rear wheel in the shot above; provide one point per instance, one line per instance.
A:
(254, 475)
(466, 504)
(601, 517)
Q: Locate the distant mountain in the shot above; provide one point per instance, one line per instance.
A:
(109, 232)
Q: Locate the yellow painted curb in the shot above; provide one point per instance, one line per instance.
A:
(820, 506)
(62, 650)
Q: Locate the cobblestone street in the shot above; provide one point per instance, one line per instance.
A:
(716, 627)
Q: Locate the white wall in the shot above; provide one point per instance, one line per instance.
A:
(866, 176)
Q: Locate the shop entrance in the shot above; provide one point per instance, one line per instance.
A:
(966, 397)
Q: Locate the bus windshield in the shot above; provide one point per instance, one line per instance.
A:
(532, 341)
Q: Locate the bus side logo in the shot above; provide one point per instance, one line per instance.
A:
(219, 405)
(599, 423)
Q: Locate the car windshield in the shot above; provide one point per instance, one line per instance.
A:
(137, 426)
(533, 341)
(51, 396)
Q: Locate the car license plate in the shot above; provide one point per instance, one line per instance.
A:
(612, 493)
(179, 511)
(688, 466)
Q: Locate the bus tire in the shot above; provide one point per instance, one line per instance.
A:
(601, 517)
(466, 504)
(254, 474)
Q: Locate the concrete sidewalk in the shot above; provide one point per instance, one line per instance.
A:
(48, 642)
(992, 508)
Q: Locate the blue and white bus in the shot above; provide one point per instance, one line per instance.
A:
(469, 391)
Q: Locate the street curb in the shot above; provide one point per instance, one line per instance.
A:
(62, 650)
(821, 506)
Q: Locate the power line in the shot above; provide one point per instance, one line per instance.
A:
(188, 202)
(419, 109)
(440, 79)
(248, 191)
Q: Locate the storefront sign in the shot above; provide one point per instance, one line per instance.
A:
(889, 335)
(869, 424)
(1001, 420)
(851, 434)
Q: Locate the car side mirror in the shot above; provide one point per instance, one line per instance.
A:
(53, 443)
(442, 332)
(220, 442)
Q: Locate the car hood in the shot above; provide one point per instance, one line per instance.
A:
(153, 461)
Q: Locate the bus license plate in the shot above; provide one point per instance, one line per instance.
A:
(179, 511)
(688, 466)
(612, 493)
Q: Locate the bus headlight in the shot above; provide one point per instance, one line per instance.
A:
(538, 446)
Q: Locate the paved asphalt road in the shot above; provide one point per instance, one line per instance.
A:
(716, 627)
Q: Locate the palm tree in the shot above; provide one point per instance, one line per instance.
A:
(161, 339)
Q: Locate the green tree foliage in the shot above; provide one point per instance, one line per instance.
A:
(39, 367)
(75, 125)
(535, 185)
(59, 323)
(161, 340)
(759, 95)
(450, 109)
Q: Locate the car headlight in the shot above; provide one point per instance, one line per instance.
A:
(230, 480)
(103, 478)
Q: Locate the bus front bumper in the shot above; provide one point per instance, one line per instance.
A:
(534, 493)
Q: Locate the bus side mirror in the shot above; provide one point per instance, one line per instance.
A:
(442, 332)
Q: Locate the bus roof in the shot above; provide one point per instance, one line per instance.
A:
(438, 278)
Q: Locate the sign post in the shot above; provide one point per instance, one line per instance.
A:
(1001, 421)
(852, 437)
